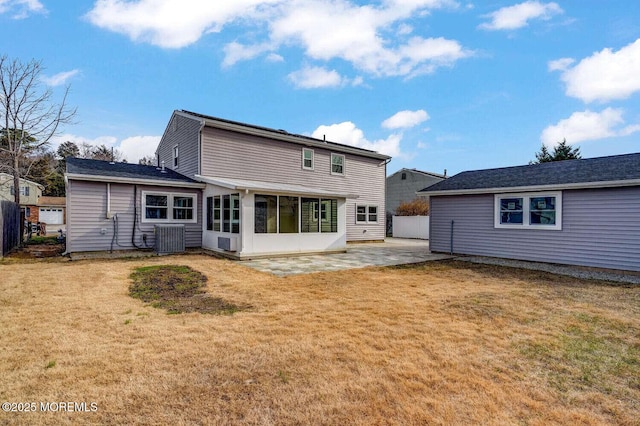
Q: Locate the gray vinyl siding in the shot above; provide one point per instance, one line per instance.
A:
(402, 191)
(600, 228)
(87, 210)
(230, 155)
(183, 132)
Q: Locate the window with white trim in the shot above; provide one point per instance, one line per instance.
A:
(337, 164)
(366, 213)
(541, 210)
(230, 213)
(175, 156)
(169, 207)
(307, 159)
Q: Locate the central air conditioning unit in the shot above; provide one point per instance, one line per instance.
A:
(169, 239)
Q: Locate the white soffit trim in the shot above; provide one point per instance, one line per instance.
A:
(271, 187)
(578, 185)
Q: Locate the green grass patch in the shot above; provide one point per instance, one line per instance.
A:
(178, 289)
(591, 353)
(50, 240)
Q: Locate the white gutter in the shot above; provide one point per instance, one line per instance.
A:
(117, 179)
(578, 185)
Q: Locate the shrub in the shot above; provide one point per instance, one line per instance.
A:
(417, 207)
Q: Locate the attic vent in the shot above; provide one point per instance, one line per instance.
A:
(169, 239)
(404, 176)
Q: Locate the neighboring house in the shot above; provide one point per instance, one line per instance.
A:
(30, 193)
(256, 191)
(579, 212)
(402, 187)
(49, 210)
(114, 206)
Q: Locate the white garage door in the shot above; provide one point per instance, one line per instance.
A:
(51, 216)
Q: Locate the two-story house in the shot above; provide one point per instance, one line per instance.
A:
(241, 189)
(30, 193)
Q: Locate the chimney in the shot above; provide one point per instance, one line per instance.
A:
(445, 172)
(163, 170)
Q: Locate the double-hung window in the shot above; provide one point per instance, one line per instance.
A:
(531, 211)
(169, 207)
(337, 164)
(307, 159)
(366, 213)
(175, 156)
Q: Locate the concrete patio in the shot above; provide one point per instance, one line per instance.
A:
(394, 251)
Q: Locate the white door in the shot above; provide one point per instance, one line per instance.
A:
(51, 216)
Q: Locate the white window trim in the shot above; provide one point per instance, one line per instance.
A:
(170, 196)
(344, 164)
(176, 156)
(312, 158)
(526, 218)
(367, 206)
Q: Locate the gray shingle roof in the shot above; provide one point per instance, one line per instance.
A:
(82, 166)
(559, 173)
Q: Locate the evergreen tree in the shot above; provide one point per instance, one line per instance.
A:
(562, 151)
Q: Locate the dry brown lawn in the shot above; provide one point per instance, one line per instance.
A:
(440, 343)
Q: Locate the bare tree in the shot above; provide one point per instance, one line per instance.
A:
(29, 116)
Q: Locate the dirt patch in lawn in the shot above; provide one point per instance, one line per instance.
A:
(178, 289)
(439, 343)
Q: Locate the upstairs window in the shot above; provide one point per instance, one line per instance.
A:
(529, 211)
(337, 164)
(175, 156)
(307, 159)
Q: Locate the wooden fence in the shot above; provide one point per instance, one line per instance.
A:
(9, 226)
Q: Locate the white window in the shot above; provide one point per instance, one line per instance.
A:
(175, 156)
(541, 210)
(337, 164)
(366, 213)
(169, 207)
(307, 159)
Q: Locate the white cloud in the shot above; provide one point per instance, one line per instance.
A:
(60, 78)
(171, 23)
(605, 75)
(588, 125)
(347, 133)
(325, 30)
(405, 119)
(316, 77)
(560, 64)
(21, 8)
(137, 147)
(519, 15)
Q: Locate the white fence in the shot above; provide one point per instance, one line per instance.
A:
(411, 227)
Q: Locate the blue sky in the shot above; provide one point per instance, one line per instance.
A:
(437, 84)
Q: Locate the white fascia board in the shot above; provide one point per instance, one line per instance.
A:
(116, 179)
(579, 185)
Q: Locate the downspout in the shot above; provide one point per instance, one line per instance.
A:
(451, 240)
(202, 123)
